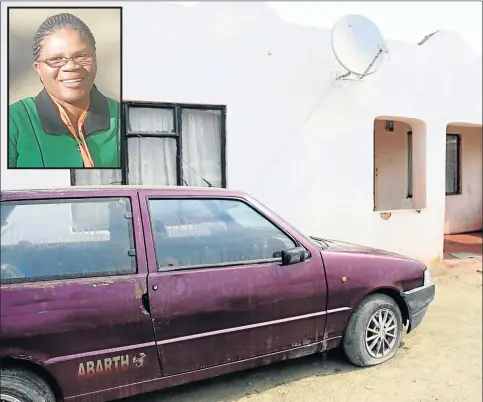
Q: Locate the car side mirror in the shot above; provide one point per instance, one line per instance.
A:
(293, 256)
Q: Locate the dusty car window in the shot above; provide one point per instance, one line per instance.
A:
(206, 232)
(43, 240)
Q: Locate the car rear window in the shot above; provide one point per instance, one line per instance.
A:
(75, 238)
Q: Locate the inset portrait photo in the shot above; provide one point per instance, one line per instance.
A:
(64, 77)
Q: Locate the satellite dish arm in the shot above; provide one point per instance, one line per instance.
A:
(382, 49)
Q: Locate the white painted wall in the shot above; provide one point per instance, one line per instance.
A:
(296, 142)
(464, 211)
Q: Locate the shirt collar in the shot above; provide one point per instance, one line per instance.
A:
(97, 117)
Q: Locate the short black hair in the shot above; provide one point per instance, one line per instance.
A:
(60, 21)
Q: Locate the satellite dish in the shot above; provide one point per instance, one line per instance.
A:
(357, 44)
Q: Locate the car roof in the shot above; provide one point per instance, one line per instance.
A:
(168, 189)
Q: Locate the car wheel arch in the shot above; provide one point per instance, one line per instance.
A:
(396, 296)
(36, 368)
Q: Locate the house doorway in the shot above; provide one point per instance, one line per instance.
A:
(463, 223)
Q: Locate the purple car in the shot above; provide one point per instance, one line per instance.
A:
(115, 291)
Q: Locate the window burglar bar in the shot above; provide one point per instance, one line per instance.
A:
(453, 164)
(410, 164)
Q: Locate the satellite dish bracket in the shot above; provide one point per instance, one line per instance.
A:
(342, 76)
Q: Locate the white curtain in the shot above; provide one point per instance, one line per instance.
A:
(150, 120)
(201, 135)
(152, 161)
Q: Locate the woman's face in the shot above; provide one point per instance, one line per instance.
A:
(73, 81)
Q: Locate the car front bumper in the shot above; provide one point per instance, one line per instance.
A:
(418, 301)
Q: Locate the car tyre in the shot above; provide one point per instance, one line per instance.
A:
(374, 332)
(23, 386)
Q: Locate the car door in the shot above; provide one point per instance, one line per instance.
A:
(73, 279)
(217, 293)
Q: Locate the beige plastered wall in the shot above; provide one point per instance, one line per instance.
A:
(391, 165)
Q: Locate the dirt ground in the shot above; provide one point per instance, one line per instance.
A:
(440, 361)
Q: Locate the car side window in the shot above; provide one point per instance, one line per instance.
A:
(43, 240)
(197, 232)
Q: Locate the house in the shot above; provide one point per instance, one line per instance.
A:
(249, 101)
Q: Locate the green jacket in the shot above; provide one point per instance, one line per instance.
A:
(38, 138)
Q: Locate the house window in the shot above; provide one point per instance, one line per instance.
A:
(167, 144)
(453, 164)
(410, 164)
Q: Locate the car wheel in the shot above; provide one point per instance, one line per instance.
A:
(374, 332)
(19, 385)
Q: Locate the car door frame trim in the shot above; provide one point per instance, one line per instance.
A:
(251, 326)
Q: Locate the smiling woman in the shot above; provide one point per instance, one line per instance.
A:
(70, 123)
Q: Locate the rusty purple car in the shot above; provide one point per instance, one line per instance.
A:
(114, 291)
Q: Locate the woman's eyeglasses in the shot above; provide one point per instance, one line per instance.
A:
(56, 62)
